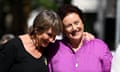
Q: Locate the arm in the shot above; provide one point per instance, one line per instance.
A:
(105, 55)
(7, 54)
(106, 61)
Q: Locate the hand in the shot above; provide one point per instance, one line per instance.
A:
(88, 36)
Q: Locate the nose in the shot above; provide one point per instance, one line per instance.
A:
(74, 27)
(52, 39)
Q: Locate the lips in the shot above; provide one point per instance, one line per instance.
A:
(45, 43)
(76, 31)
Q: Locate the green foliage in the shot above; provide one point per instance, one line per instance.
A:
(49, 4)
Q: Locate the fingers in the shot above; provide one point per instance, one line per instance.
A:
(88, 36)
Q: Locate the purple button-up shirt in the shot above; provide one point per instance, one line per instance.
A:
(93, 56)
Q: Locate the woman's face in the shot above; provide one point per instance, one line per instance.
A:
(73, 26)
(46, 37)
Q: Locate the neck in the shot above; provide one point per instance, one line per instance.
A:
(76, 44)
(36, 43)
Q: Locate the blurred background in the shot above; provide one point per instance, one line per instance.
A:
(101, 17)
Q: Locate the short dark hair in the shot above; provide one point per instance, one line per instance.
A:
(65, 9)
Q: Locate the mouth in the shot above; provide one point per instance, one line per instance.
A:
(75, 32)
(45, 43)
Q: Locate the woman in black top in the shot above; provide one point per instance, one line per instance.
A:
(25, 53)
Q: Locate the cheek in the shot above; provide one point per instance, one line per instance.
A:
(43, 37)
(82, 25)
(68, 30)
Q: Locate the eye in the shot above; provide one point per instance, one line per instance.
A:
(67, 26)
(76, 22)
(49, 34)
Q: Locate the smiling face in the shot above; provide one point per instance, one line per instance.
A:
(46, 26)
(73, 26)
(46, 38)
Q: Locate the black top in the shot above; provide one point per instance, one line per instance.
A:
(14, 58)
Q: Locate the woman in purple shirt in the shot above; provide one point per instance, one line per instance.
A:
(74, 53)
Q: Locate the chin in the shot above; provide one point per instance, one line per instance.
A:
(44, 45)
(76, 38)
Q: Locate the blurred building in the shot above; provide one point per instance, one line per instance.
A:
(117, 37)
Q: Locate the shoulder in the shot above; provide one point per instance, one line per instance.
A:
(100, 48)
(56, 43)
(52, 49)
(98, 45)
(11, 43)
(55, 46)
(97, 41)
